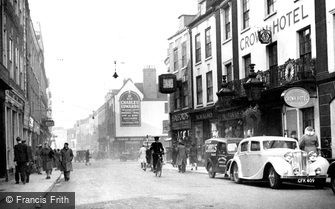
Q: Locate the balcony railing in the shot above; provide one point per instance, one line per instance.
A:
(290, 73)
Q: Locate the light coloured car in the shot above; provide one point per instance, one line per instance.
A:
(276, 159)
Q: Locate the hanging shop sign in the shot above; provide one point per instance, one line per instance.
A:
(296, 97)
(130, 109)
(167, 83)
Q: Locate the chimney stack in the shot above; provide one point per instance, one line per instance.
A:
(149, 82)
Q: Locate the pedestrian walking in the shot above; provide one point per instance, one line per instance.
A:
(193, 157)
(38, 159)
(309, 141)
(87, 157)
(174, 155)
(66, 161)
(142, 157)
(57, 159)
(20, 159)
(148, 157)
(29, 167)
(47, 156)
(181, 157)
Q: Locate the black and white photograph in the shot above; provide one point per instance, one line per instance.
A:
(167, 104)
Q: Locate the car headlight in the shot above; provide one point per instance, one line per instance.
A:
(296, 171)
(312, 156)
(317, 171)
(288, 157)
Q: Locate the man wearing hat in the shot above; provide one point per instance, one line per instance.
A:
(29, 166)
(157, 150)
(21, 160)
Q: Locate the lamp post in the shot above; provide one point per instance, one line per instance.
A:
(225, 94)
(253, 86)
(115, 74)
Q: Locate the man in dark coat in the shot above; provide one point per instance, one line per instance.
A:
(66, 161)
(21, 160)
(29, 168)
(157, 150)
(47, 158)
(38, 159)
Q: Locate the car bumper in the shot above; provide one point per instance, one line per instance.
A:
(300, 177)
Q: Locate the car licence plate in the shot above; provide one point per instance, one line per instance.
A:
(305, 180)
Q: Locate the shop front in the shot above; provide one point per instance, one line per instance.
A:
(204, 126)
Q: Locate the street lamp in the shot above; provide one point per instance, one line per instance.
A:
(253, 86)
(225, 94)
(115, 74)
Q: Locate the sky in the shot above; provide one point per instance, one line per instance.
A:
(83, 38)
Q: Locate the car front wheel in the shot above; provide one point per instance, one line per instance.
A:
(274, 179)
(235, 175)
(332, 183)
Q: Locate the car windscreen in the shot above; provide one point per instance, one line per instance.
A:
(221, 148)
(273, 144)
(231, 148)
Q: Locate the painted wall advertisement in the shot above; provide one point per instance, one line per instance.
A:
(130, 109)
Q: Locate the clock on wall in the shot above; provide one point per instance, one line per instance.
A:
(167, 83)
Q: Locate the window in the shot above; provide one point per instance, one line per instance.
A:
(199, 89)
(270, 6)
(305, 44)
(166, 107)
(221, 148)
(229, 72)
(183, 55)
(244, 147)
(246, 63)
(175, 59)
(197, 49)
(273, 59)
(255, 146)
(245, 9)
(185, 94)
(208, 44)
(209, 83)
(308, 117)
(177, 99)
(227, 23)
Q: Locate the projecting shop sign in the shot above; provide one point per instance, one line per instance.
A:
(130, 109)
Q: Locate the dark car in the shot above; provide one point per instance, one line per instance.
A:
(218, 151)
(331, 174)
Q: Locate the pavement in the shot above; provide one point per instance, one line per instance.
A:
(200, 169)
(37, 183)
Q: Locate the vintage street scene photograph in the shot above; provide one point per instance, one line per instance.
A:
(167, 104)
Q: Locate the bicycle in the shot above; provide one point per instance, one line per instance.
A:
(159, 166)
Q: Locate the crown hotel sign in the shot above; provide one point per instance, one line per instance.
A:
(296, 97)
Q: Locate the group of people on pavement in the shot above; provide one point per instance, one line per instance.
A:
(180, 154)
(44, 158)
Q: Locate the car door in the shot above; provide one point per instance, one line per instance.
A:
(254, 161)
(243, 156)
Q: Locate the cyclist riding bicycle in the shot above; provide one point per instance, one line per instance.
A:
(157, 151)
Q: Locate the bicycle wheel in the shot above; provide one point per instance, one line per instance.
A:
(159, 169)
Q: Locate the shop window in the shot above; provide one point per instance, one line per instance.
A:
(308, 117)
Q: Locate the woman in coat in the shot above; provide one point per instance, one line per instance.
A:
(66, 161)
(309, 141)
(181, 157)
(47, 156)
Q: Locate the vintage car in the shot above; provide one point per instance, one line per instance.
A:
(218, 151)
(331, 174)
(276, 159)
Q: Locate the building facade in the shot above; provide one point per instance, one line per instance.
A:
(179, 63)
